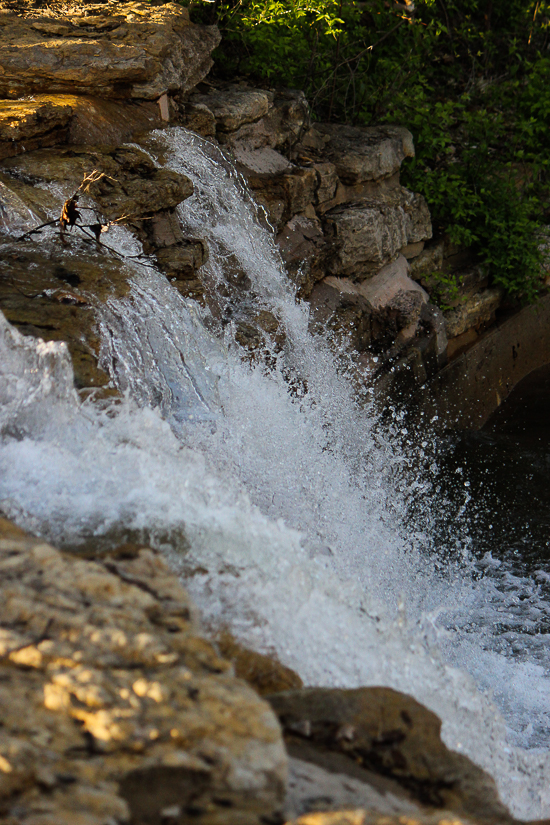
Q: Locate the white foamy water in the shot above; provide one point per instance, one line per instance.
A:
(284, 504)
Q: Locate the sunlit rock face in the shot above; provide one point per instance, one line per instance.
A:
(128, 51)
(113, 704)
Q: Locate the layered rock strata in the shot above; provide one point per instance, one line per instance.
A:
(114, 708)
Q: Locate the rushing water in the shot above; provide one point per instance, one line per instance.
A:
(297, 517)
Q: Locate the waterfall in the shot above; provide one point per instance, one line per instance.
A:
(290, 509)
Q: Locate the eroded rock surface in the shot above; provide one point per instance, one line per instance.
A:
(127, 50)
(391, 734)
(114, 708)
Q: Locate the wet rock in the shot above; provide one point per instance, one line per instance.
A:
(131, 187)
(324, 782)
(391, 734)
(337, 307)
(361, 153)
(475, 312)
(283, 195)
(130, 51)
(114, 708)
(369, 234)
(264, 673)
(52, 293)
(301, 242)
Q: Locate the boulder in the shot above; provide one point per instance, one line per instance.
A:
(475, 312)
(280, 128)
(131, 186)
(131, 50)
(360, 153)
(390, 733)
(301, 242)
(337, 307)
(283, 194)
(114, 708)
(49, 296)
(233, 106)
(369, 234)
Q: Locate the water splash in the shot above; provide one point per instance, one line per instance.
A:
(285, 506)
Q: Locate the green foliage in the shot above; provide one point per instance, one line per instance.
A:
(469, 78)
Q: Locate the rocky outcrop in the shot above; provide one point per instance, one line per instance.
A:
(370, 234)
(114, 708)
(391, 734)
(52, 291)
(130, 50)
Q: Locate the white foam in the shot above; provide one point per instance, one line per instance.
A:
(288, 513)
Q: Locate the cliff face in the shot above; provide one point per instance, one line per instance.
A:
(355, 242)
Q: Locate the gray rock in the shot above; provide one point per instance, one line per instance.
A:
(313, 787)
(337, 307)
(301, 242)
(365, 153)
(369, 234)
(474, 312)
(233, 106)
(279, 128)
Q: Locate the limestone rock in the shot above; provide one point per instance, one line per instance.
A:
(264, 673)
(131, 50)
(132, 185)
(284, 195)
(301, 242)
(391, 734)
(31, 124)
(369, 234)
(114, 708)
(337, 307)
(49, 297)
(362, 153)
(476, 311)
(280, 128)
(360, 816)
(233, 106)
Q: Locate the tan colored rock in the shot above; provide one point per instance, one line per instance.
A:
(264, 673)
(233, 106)
(114, 708)
(31, 124)
(391, 734)
(131, 50)
(132, 185)
(360, 816)
(50, 297)
(361, 153)
(369, 234)
(51, 286)
(283, 195)
(475, 312)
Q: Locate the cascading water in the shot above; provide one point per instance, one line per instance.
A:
(286, 505)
